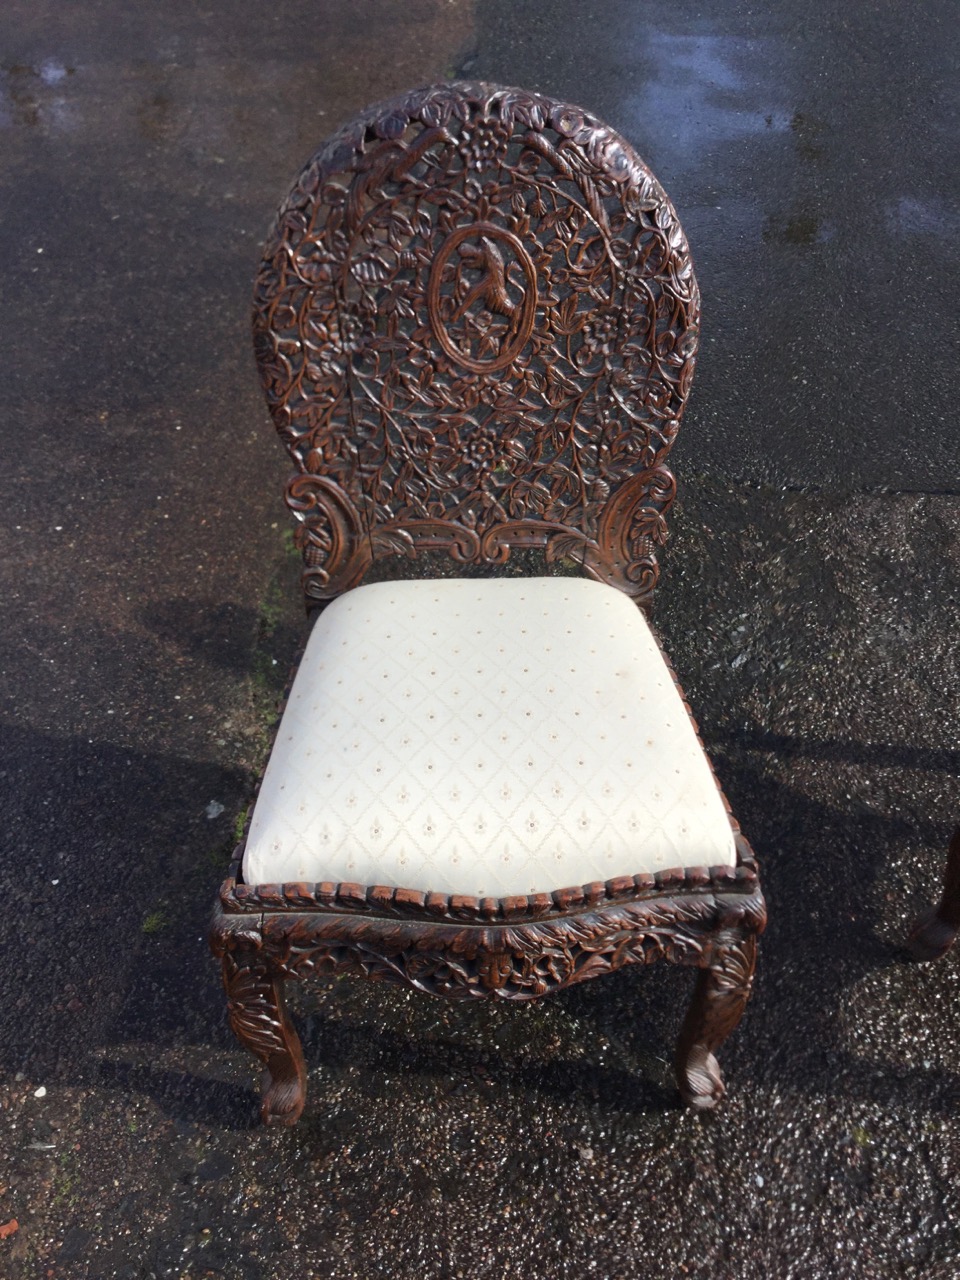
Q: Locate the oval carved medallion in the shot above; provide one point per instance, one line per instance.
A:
(482, 296)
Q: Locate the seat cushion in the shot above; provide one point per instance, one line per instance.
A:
(491, 737)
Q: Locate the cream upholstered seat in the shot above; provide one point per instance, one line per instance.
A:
(490, 737)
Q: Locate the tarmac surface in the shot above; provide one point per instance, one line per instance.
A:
(809, 602)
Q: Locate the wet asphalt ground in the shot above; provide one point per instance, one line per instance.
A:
(809, 602)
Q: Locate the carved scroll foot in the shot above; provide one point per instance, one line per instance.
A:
(933, 932)
(260, 1021)
(719, 998)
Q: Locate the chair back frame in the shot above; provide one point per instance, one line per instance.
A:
(476, 323)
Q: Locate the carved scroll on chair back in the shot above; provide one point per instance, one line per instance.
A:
(476, 323)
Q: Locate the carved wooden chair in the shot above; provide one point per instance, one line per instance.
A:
(476, 321)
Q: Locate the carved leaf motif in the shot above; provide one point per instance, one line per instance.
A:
(251, 1011)
(486, 251)
(518, 963)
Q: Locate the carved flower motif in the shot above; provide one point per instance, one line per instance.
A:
(567, 121)
(599, 334)
(346, 331)
(335, 336)
(484, 143)
(482, 449)
(607, 153)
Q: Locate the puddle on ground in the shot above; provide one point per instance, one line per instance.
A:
(912, 216)
(705, 89)
(26, 100)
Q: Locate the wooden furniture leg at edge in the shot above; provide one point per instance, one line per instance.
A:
(261, 1022)
(719, 998)
(933, 932)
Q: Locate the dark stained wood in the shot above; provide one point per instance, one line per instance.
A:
(476, 322)
(259, 1019)
(719, 998)
(237, 898)
(519, 962)
(533, 957)
(933, 933)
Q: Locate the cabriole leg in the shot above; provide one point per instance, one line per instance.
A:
(260, 1021)
(933, 932)
(719, 997)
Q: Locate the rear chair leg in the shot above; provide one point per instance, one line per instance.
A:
(719, 998)
(933, 932)
(260, 1021)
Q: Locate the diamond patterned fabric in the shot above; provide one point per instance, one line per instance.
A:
(489, 737)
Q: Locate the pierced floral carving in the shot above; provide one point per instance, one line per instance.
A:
(505, 962)
(476, 320)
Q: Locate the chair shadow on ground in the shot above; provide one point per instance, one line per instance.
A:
(823, 940)
(219, 631)
(145, 838)
(441, 1064)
